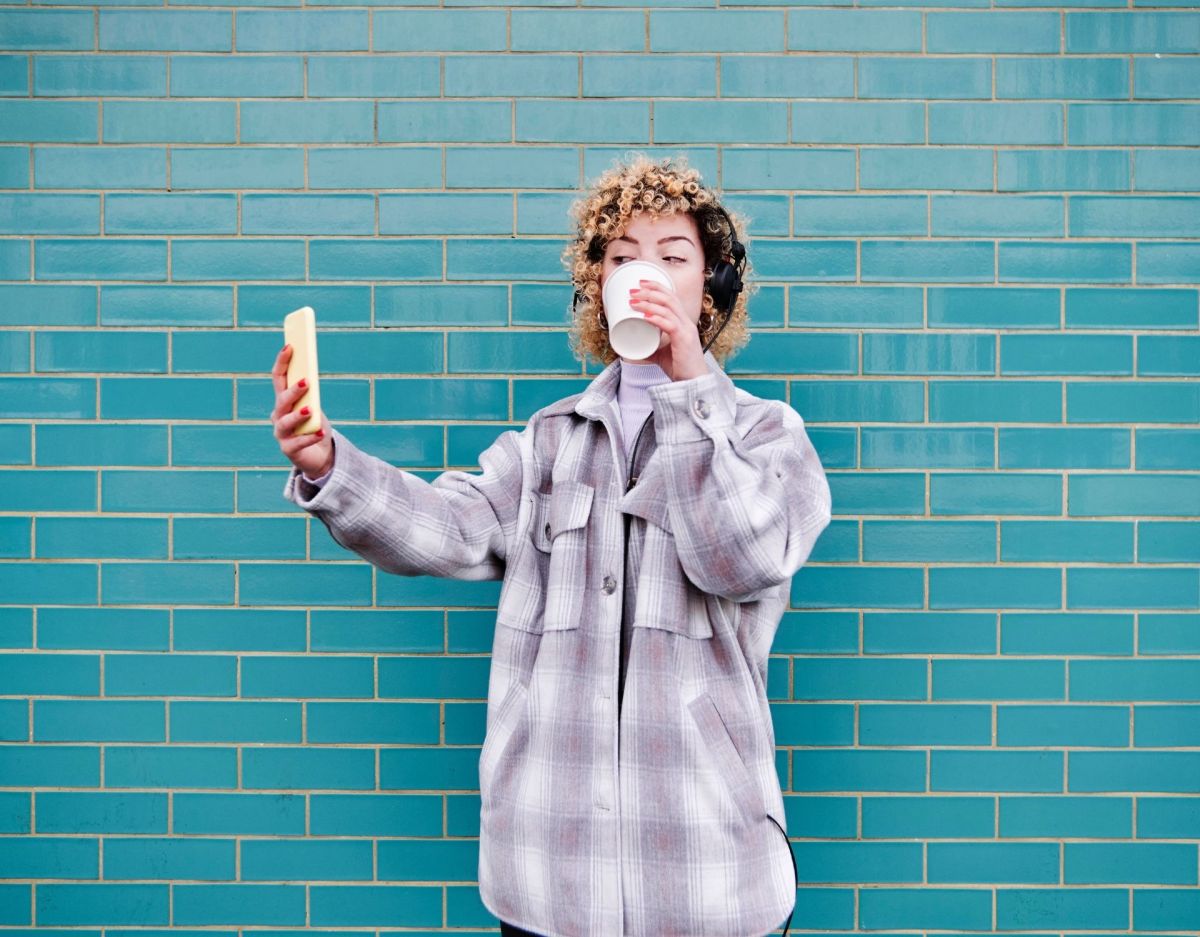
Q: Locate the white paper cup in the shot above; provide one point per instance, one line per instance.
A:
(629, 334)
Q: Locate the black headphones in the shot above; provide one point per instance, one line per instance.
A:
(724, 283)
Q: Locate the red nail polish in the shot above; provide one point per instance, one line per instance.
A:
(320, 432)
(304, 411)
(302, 382)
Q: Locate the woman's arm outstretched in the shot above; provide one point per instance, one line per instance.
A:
(458, 526)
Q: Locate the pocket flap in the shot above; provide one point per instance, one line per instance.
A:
(648, 500)
(567, 506)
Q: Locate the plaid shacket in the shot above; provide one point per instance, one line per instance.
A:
(642, 807)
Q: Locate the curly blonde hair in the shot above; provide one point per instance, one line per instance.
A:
(661, 187)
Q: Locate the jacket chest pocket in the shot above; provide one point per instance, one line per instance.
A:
(548, 583)
(666, 597)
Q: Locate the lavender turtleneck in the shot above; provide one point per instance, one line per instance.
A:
(633, 397)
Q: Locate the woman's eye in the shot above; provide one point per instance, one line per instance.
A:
(617, 258)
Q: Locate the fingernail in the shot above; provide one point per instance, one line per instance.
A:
(302, 382)
(304, 411)
(320, 432)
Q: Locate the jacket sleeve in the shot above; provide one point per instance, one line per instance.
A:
(458, 526)
(745, 510)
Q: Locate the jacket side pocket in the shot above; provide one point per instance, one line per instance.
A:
(508, 722)
(726, 760)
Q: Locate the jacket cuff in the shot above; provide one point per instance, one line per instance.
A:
(693, 410)
(347, 487)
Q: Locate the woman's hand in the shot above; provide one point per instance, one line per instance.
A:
(312, 453)
(681, 357)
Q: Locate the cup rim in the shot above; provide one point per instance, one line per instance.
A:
(639, 263)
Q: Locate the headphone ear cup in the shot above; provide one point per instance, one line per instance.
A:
(722, 285)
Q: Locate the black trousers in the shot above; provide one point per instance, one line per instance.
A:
(511, 930)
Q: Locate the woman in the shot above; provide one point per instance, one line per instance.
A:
(646, 531)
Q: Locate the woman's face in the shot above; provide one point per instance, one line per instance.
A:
(671, 241)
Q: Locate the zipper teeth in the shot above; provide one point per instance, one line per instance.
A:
(633, 459)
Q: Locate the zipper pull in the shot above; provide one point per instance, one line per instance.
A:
(632, 482)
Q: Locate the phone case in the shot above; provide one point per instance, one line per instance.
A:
(300, 331)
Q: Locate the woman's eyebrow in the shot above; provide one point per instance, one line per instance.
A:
(673, 237)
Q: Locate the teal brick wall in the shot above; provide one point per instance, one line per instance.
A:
(976, 227)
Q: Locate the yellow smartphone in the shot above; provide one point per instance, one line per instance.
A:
(300, 331)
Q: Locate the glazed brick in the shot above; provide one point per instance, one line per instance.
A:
(45, 30)
(1065, 816)
(917, 168)
(589, 121)
(502, 76)
(450, 121)
(187, 675)
(857, 770)
(123, 167)
(376, 905)
(170, 122)
(995, 401)
(144, 305)
(751, 168)
(755, 76)
(1005, 32)
(1092, 726)
(511, 167)
(221, 722)
(63, 904)
(669, 75)
(857, 122)
(905, 77)
(169, 858)
(220, 167)
(303, 768)
(166, 31)
(302, 31)
(99, 721)
(222, 76)
(259, 904)
(1049, 78)
(937, 724)
(100, 75)
(166, 766)
(238, 813)
(33, 121)
(357, 76)
(375, 814)
(438, 30)
(273, 676)
(1132, 32)
(1063, 448)
(854, 30)
(307, 121)
(1134, 216)
(101, 812)
(52, 675)
(726, 30)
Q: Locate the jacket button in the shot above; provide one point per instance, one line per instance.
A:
(610, 585)
(701, 408)
(547, 531)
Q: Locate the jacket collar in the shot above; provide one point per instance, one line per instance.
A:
(597, 397)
